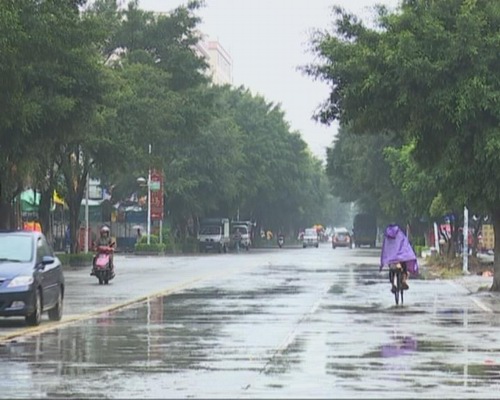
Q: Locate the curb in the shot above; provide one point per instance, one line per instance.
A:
(51, 326)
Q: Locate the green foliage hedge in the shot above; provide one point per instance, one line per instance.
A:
(153, 239)
(190, 245)
(152, 247)
(76, 259)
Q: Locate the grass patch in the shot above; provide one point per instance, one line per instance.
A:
(441, 267)
(150, 248)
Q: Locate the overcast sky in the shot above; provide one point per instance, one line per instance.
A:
(268, 40)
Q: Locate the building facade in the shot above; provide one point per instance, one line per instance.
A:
(219, 61)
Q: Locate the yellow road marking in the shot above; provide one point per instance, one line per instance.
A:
(50, 326)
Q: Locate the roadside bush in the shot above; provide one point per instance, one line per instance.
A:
(152, 247)
(153, 239)
(77, 259)
(418, 241)
(190, 245)
(169, 244)
(418, 250)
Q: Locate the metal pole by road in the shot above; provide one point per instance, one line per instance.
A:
(161, 230)
(149, 198)
(466, 240)
(436, 238)
(86, 240)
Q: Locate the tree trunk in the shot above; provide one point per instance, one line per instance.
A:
(74, 226)
(75, 168)
(5, 213)
(496, 229)
(7, 209)
(44, 213)
(475, 235)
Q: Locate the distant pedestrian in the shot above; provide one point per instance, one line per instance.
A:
(67, 240)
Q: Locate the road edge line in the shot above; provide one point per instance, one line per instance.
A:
(48, 327)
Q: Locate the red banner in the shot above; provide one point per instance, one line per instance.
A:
(156, 188)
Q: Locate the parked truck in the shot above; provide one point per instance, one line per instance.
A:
(214, 235)
(365, 230)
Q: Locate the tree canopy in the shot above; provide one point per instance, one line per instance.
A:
(427, 72)
(89, 86)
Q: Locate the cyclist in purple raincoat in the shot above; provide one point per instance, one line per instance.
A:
(396, 249)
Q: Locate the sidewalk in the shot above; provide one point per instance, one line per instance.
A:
(477, 287)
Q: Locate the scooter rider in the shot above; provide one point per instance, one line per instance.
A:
(281, 239)
(237, 239)
(104, 240)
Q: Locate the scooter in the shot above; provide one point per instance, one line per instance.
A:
(102, 266)
(281, 241)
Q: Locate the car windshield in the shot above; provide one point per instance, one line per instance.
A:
(311, 232)
(210, 230)
(16, 248)
(242, 230)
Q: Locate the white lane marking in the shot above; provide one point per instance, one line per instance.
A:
(289, 339)
(478, 302)
(482, 306)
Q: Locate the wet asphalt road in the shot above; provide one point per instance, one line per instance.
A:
(284, 323)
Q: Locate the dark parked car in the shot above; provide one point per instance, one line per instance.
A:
(31, 277)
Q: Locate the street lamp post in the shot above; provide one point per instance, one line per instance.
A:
(141, 182)
(149, 198)
(86, 247)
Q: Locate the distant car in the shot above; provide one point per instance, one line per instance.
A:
(31, 277)
(310, 238)
(341, 238)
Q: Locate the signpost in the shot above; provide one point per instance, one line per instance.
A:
(156, 196)
(157, 205)
(465, 265)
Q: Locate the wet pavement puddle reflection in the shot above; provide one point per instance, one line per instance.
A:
(284, 331)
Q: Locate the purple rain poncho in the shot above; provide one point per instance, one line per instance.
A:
(396, 248)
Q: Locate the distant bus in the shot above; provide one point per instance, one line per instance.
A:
(365, 230)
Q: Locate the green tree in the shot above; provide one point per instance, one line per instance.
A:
(53, 76)
(429, 72)
(359, 172)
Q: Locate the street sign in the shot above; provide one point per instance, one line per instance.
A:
(156, 188)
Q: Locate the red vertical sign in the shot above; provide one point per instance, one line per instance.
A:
(156, 196)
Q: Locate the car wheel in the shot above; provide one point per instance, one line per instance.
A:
(55, 314)
(304, 246)
(35, 317)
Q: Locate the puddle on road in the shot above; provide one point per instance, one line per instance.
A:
(210, 337)
(181, 333)
(336, 289)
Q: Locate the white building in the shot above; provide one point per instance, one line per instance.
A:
(219, 61)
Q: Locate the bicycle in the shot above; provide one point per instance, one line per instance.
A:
(396, 278)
